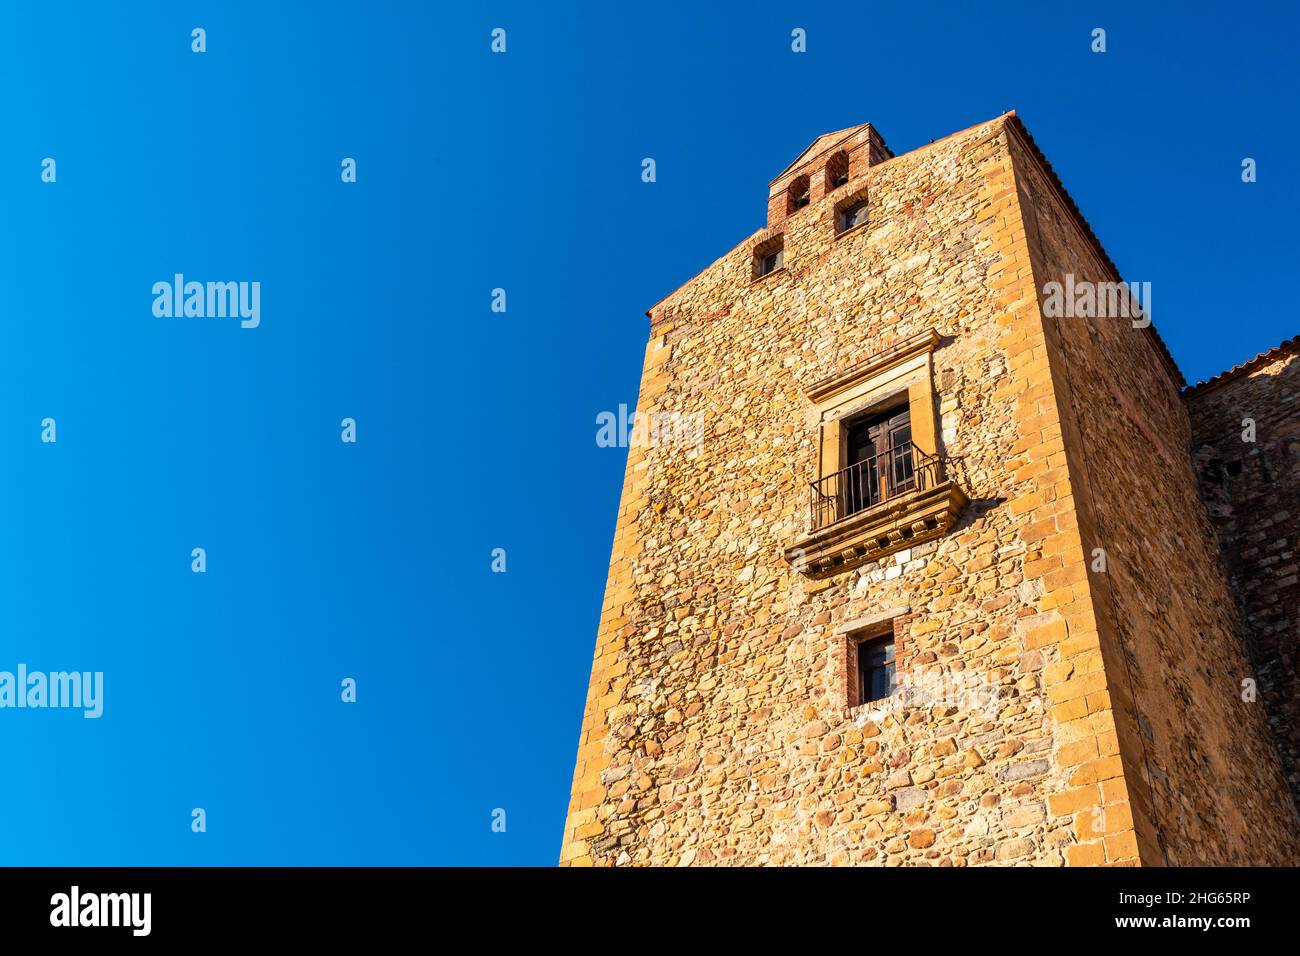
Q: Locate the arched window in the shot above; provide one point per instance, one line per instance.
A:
(799, 194)
(837, 170)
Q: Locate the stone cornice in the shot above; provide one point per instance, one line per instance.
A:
(896, 354)
(890, 526)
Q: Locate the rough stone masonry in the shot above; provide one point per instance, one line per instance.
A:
(1049, 565)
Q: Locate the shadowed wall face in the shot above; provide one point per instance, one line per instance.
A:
(1246, 450)
(1205, 790)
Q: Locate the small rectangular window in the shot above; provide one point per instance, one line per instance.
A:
(875, 669)
(768, 262)
(854, 215)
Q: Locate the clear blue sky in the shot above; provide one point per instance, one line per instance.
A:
(476, 430)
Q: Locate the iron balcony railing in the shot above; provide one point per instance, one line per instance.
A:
(871, 481)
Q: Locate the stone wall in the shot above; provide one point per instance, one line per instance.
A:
(718, 727)
(1199, 763)
(1251, 490)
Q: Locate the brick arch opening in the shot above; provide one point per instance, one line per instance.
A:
(798, 195)
(837, 170)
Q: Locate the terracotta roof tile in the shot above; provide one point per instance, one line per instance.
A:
(1291, 345)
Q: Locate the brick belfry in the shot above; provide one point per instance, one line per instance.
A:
(945, 580)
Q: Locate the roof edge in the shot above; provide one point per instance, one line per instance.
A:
(847, 132)
(1289, 346)
(664, 298)
(1016, 124)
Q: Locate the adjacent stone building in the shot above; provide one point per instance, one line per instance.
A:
(935, 583)
(1246, 450)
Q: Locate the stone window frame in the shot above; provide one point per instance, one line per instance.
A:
(906, 370)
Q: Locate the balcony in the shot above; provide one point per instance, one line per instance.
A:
(882, 504)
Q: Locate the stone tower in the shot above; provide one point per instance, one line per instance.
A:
(935, 583)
